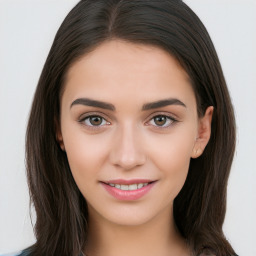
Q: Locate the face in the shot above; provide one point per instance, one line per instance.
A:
(129, 127)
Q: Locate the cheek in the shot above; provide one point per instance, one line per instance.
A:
(85, 153)
(174, 148)
(172, 158)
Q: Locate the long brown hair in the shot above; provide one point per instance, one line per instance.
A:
(199, 209)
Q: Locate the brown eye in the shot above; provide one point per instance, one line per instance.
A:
(95, 120)
(160, 120)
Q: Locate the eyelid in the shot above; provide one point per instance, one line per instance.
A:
(163, 113)
(92, 113)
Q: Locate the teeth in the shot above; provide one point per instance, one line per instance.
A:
(124, 187)
(129, 187)
(133, 187)
(140, 185)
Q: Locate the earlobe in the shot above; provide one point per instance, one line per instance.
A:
(204, 133)
(196, 152)
(59, 137)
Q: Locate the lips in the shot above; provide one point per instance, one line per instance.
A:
(128, 189)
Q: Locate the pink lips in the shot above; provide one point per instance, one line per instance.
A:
(128, 195)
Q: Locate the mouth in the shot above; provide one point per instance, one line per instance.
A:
(128, 189)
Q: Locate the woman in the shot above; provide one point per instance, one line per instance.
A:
(131, 135)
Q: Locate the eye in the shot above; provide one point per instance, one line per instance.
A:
(94, 120)
(162, 121)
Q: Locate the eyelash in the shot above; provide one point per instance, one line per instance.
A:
(169, 119)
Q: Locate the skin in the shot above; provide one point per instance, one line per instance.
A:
(131, 143)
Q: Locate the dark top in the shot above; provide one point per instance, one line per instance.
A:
(24, 253)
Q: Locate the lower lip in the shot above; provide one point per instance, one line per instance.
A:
(128, 195)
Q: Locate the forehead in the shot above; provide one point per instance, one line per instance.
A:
(124, 69)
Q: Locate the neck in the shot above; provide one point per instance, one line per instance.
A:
(158, 236)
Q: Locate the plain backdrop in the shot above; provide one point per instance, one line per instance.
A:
(27, 29)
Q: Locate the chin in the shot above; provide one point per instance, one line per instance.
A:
(130, 214)
(129, 220)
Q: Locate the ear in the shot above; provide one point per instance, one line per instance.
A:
(59, 136)
(204, 133)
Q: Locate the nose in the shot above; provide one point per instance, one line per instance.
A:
(127, 150)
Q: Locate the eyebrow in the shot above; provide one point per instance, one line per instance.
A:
(93, 103)
(163, 103)
(109, 106)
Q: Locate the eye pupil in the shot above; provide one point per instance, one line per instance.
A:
(95, 120)
(160, 120)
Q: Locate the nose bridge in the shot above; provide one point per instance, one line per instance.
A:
(127, 151)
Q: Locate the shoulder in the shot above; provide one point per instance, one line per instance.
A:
(25, 252)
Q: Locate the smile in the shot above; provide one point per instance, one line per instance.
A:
(128, 187)
(128, 190)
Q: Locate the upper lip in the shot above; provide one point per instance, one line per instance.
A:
(127, 182)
